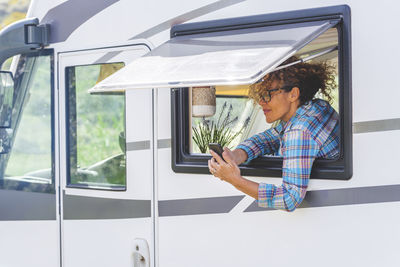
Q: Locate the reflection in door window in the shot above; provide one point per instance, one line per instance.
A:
(28, 166)
(96, 130)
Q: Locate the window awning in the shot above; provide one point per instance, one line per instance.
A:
(217, 58)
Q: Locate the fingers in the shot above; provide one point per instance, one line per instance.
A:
(228, 157)
(217, 157)
(212, 166)
(211, 169)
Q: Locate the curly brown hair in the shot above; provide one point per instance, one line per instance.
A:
(308, 77)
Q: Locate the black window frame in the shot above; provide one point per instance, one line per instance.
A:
(72, 94)
(26, 185)
(336, 169)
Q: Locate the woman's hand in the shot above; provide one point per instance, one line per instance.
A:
(239, 156)
(229, 171)
(226, 169)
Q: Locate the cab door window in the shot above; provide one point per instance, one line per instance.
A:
(29, 164)
(96, 130)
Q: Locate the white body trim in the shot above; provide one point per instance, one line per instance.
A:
(225, 234)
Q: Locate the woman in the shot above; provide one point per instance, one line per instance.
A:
(307, 128)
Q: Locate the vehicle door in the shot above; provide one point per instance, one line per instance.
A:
(106, 210)
(29, 227)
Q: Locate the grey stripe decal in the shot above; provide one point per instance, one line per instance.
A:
(164, 143)
(20, 206)
(347, 196)
(181, 19)
(376, 126)
(197, 206)
(68, 16)
(140, 145)
(107, 57)
(358, 127)
(143, 145)
(41, 206)
(92, 208)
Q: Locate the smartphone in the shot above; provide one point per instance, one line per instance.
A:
(217, 148)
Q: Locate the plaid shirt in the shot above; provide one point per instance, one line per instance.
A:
(312, 132)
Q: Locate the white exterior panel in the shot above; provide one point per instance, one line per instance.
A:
(29, 243)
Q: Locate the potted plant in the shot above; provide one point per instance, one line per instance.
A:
(209, 131)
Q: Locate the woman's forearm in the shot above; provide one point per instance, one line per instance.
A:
(246, 186)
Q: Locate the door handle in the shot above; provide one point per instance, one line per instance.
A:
(141, 253)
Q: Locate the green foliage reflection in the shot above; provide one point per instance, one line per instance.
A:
(96, 127)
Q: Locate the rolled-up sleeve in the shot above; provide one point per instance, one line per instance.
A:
(299, 151)
(263, 143)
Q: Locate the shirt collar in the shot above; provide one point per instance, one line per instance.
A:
(299, 112)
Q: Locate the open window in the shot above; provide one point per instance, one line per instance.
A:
(223, 58)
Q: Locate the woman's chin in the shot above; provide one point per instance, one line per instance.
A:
(269, 120)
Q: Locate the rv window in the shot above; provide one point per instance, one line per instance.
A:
(28, 165)
(96, 130)
(236, 116)
(225, 114)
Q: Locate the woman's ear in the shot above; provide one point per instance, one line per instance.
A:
(294, 94)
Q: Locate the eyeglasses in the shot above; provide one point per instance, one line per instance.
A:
(268, 96)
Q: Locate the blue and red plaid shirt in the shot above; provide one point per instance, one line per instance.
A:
(312, 132)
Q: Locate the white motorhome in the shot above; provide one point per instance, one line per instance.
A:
(99, 165)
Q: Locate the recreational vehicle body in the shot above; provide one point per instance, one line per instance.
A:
(100, 170)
